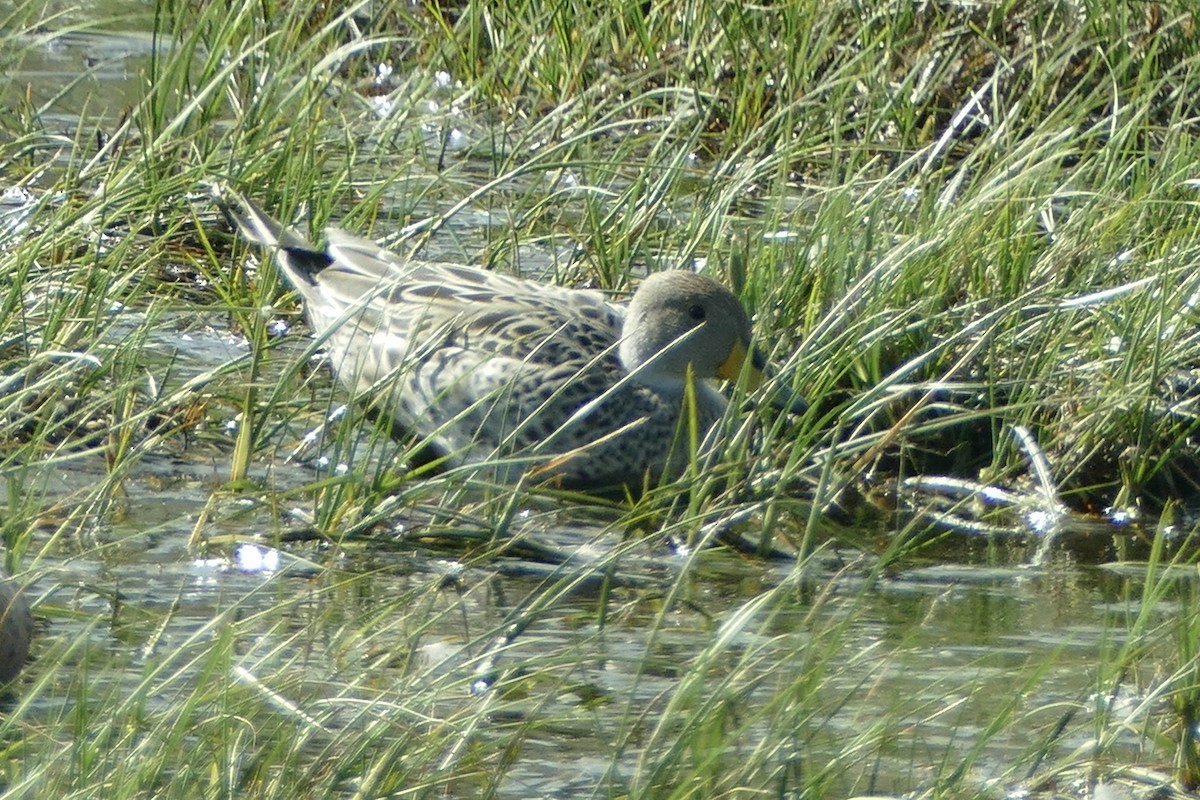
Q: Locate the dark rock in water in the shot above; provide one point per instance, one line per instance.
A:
(16, 628)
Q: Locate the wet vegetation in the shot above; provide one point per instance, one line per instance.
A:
(965, 231)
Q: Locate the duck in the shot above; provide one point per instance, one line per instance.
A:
(557, 385)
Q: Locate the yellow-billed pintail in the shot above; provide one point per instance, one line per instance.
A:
(532, 378)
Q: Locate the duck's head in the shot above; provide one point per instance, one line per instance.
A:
(679, 319)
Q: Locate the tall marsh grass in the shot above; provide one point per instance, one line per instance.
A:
(965, 231)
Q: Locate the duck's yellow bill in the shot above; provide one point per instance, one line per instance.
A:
(732, 368)
(757, 372)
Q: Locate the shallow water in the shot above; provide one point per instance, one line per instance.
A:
(77, 62)
(952, 643)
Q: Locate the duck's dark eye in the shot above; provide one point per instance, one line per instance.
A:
(696, 313)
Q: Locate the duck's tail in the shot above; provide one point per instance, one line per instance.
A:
(298, 257)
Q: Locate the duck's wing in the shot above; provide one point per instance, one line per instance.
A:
(472, 340)
(475, 364)
(354, 272)
(473, 359)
